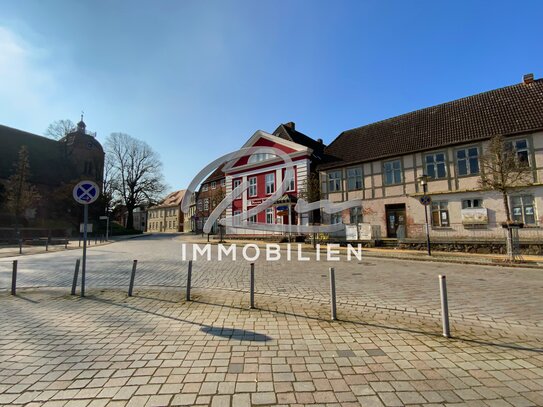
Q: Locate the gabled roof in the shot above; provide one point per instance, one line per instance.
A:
(506, 111)
(173, 199)
(288, 132)
(216, 175)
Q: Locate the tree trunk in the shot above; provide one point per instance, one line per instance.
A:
(130, 218)
(509, 244)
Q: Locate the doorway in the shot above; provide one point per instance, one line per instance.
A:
(396, 221)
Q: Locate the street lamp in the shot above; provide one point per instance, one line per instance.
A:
(423, 179)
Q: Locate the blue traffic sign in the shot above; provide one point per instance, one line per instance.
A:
(86, 192)
(425, 200)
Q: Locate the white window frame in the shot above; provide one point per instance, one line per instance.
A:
(389, 168)
(270, 218)
(213, 185)
(206, 204)
(291, 186)
(467, 158)
(204, 187)
(435, 164)
(252, 190)
(523, 206)
(335, 183)
(442, 207)
(472, 203)
(270, 183)
(358, 178)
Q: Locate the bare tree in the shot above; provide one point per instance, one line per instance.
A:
(21, 195)
(60, 128)
(136, 172)
(504, 169)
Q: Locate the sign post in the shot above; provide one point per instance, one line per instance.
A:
(426, 200)
(85, 193)
(106, 218)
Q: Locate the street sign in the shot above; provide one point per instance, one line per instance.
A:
(282, 208)
(82, 228)
(86, 192)
(103, 218)
(425, 200)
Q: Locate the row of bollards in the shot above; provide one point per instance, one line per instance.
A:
(332, 277)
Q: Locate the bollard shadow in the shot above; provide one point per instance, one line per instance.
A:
(386, 327)
(224, 332)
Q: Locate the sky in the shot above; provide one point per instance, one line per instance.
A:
(195, 79)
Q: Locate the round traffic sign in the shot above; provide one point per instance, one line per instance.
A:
(425, 200)
(86, 192)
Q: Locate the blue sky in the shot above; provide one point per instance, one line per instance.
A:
(195, 79)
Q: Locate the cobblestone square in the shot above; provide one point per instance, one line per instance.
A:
(157, 349)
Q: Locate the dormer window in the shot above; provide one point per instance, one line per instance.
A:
(255, 158)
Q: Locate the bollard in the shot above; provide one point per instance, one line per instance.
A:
(189, 278)
(76, 274)
(47, 245)
(333, 293)
(14, 278)
(132, 277)
(444, 306)
(66, 244)
(20, 246)
(79, 240)
(252, 286)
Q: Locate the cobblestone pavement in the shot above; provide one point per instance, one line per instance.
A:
(507, 299)
(155, 350)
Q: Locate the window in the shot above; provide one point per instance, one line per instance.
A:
(467, 161)
(354, 178)
(270, 183)
(255, 158)
(523, 209)
(236, 222)
(206, 204)
(252, 186)
(334, 181)
(435, 165)
(520, 147)
(472, 203)
(290, 185)
(269, 215)
(204, 187)
(335, 218)
(223, 182)
(440, 214)
(252, 219)
(213, 185)
(236, 183)
(356, 215)
(393, 172)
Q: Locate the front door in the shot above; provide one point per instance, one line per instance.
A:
(395, 220)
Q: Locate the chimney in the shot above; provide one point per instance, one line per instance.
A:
(319, 140)
(290, 125)
(528, 78)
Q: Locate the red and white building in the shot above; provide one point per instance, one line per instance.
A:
(265, 172)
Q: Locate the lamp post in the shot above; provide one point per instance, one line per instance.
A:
(423, 179)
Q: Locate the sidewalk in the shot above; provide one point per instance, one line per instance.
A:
(10, 251)
(529, 261)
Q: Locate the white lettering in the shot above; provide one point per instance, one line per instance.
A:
(273, 252)
(196, 250)
(332, 249)
(257, 252)
(357, 253)
(223, 250)
(300, 254)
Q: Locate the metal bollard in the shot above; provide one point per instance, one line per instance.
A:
(47, 245)
(66, 244)
(76, 274)
(14, 278)
(20, 246)
(333, 293)
(444, 306)
(252, 286)
(132, 277)
(189, 278)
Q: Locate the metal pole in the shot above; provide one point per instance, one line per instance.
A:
(47, 245)
(83, 268)
(20, 246)
(333, 293)
(107, 229)
(76, 274)
(189, 278)
(14, 278)
(444, 306)
(252, 286)
(132, 277)
(428, 245)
